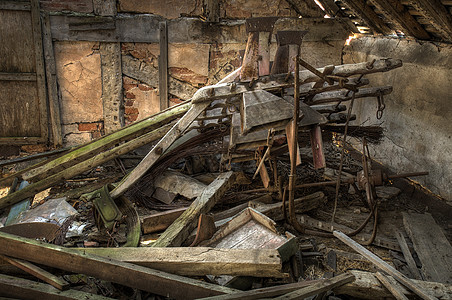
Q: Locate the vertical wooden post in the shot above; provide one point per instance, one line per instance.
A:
(213, 11)
(52, 89)
(163, 66)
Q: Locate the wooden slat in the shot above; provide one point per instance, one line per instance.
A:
(163, 65)
(40, 69)
(396, 12)
(437, 14)
(54, 101)
(384, 266)
(18, 76)
(184, 225)
(131, 275)
(15, 5)
(407, 255)
(160, 221)
(398, 294)
(19, 288)
(431, 245)
(198, 261)
(38, 272)
(363, 10)
(319, 287)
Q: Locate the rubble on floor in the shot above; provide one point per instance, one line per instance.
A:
(243, 193)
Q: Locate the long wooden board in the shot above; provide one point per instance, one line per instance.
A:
(146, 279)
(198, 261)
(431, 245)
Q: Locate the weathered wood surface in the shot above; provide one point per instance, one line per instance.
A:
(160, 221)
(38, 272)
(384, 266)
(163, 144)
(436, 14)
(127, 274)
(178, 183)
(274, 82)
(163, 65)
(19, 288)
(395, 291)
(175, 234)
(319, 287)
(367, 286)
(198, 261)
(18, 76)
(364, 11)
(264, 292)
(407, 255)
(431, 245)
(83, 166)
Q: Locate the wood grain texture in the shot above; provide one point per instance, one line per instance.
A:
(395, 291)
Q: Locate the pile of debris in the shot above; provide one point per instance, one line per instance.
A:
(241, 195)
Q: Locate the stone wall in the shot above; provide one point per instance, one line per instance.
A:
(418, 131)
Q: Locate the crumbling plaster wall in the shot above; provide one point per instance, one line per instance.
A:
(416, 120)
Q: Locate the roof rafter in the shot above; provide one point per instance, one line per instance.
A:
(436, 13)
(364, 11)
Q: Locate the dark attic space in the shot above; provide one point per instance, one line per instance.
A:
(226, 149)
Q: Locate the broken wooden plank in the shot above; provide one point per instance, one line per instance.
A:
(264, 292)
(183, 226)
(160, 221)
(319, 287)
(395, 291)
(157, 151)
(407, 255)
(127, 274)
(383, 265)
(38, 272)
(19, 288)
(83, 166)
(179, 184)
(275, 82)
(431, 245)
(367, 286)
(198, 261)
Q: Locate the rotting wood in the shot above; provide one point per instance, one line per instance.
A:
(213, 11)
(437, 15)
(160, 221)
(163, 65)
(407, 255)
(38, 272)
(19, 288)
(431, 245)
(367, 286)
(198, 261)
(264, 292)
(52, 86)
(83, 166)
(177, 232)
(181, 184)
(274, 82)
(364, 11)
(157, 282)
(384, 266)
(319, 287)
(205, 229)
(163, 144)
(396, 292)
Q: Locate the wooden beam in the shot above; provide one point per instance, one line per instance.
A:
(160, 221)
(367, 286)
(407, 255)
(319, 287)
(264, 293)
(52, 86)
(163, 144)
(131, 275)
(437, 14)
(163, 65)
(395, 291)
(399, 14)
(383, 265)
(213, 11)
(431, 245)
(19, 288)
(198, 261)
(364, 11)
(18, 76)
(186, 223)
(38, 272)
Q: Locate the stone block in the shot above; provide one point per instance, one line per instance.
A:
(74, 139)
(79, 76)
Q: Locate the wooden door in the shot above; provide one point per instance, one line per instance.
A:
(23, 95)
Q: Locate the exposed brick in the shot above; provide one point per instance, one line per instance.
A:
(131, 118)
(128, 80)
(176, 100)
(130, 95)
(129, 102)
(90, 126)
(96, 134)
(34, 148)
(144, 87)
(131, 110)
(85, 6)
(128, 86)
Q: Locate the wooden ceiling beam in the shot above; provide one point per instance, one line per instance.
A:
(398, 13)
(365, 12)
(437, 14)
